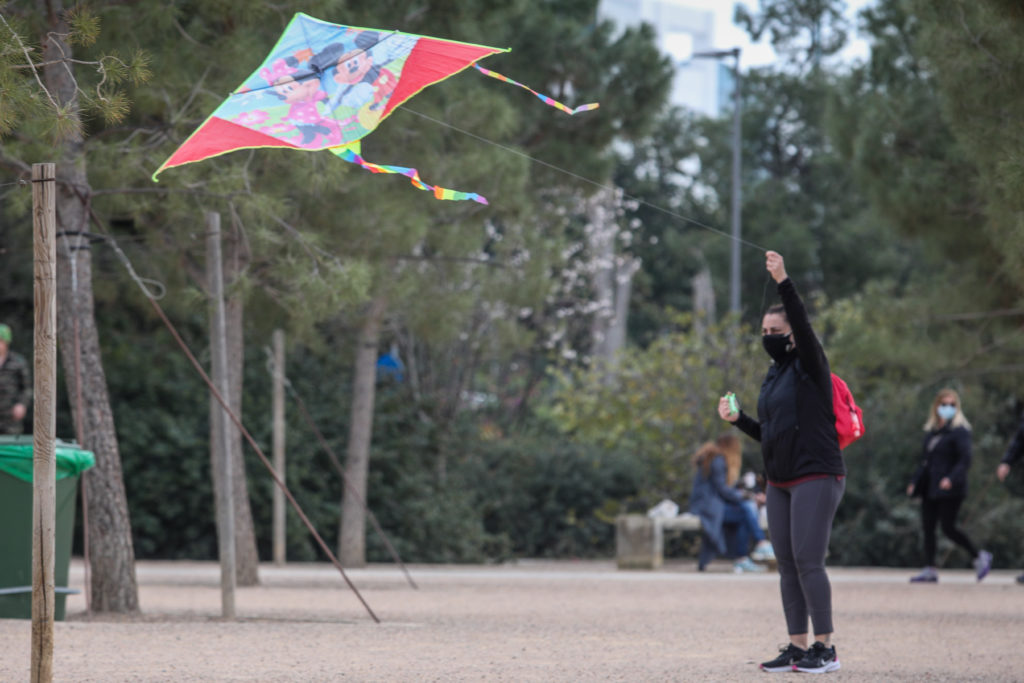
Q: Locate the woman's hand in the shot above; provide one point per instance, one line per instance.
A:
(725, 412)
(776, 265)
(1002, 471)
(910, 489)
(945, 484)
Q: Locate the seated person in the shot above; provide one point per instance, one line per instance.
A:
(717, 501)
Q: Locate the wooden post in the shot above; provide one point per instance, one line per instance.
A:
(279, 441)
(222, 463)
(44, 426)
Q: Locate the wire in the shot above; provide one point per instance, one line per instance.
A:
(764, 293)
(252, 442)
(141, 282)
(271, 367)
(564, 171)
(584, 179)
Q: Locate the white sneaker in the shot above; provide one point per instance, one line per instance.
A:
(764, 552)
(746, 565)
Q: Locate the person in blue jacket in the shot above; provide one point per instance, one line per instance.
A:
(717, 501)
(940, 480)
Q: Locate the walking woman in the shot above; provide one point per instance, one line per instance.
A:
(941, 482)
(717, 501)
(806, 475)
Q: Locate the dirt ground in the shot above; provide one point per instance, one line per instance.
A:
(530, 621)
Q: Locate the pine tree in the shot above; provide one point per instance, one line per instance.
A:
(53, 91)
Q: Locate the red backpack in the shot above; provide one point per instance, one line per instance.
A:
(849, 417)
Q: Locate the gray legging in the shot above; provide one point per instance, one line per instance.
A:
(800, 521)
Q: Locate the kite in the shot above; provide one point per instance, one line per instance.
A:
(327, 86)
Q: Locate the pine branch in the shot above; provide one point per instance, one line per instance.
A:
(28, 58)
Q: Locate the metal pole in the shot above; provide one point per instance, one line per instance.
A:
(44, 424)
(224, 495)
(279, 441)
(737, 190)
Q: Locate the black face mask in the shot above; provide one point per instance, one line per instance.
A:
(777, 346)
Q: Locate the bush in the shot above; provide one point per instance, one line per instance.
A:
(551, 497)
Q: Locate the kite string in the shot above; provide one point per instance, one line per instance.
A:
(764, 294)
(584, 179)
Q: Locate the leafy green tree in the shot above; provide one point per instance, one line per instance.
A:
(938, 323)
(660, 404)
(975, 51)
(799, 194)
(665, 168)
(803, 32)
(904, 157)
(51, 86)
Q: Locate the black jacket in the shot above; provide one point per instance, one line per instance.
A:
(796, 425)
(1016, 447)
(946, 452)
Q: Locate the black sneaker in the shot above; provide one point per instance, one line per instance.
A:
(788, 656)
(818, 660)
(1020, 579)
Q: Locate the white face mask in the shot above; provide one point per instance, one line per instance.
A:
(946, 412)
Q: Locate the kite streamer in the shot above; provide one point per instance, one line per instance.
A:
(543, 98)
(351, 155)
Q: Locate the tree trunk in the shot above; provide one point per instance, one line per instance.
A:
(246, 556)
(113, 585)
(601, 232)
(352, 538)
(612, 280)
(703, 301)
(625, 269)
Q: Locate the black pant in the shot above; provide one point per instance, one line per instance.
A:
(942, 510)
(800, 523)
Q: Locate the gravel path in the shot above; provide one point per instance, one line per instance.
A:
(530, 621)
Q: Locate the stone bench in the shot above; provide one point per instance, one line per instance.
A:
(640, 540)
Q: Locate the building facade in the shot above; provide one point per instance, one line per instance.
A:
(704, 85)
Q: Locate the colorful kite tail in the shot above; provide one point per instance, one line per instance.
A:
(544, 98)
(350, 155)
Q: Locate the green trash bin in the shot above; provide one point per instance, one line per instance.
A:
(16, 513)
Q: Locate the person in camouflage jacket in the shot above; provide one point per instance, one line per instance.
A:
(15, 386)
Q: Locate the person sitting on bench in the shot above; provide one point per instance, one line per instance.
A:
(717, 501)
